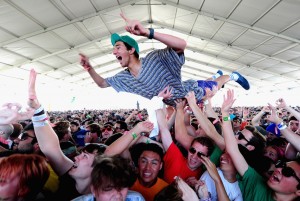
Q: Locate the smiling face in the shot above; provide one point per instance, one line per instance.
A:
(122, 53)
(226, 163)
(149, 165)
(193, 159)
(283, 184)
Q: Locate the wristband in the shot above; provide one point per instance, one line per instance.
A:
(281, 126)
(42, 117)
(40, 123)
(134, 135)
(40, 109)
(226, 119)
(151, 33)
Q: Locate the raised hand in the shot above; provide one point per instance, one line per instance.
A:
(190, 97)
(273, 117)
(211, 168)
(166, 93)
(32, 99)
(228, 101)
(281, 103)
(188, 194)
(84, 61)
(180, 104)
(202, 190)
(144, 126)
(134, 26)
(11, 113)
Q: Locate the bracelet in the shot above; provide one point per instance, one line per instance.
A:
(151, 33)
(226, 119)
(281, 126)
(134, 135)
(40, 123)
(42, 117)
(40, 109)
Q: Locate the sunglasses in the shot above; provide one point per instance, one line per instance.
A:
(106, 128)
(192, 150)
(241, 136)
(287, 171)
(25, 136)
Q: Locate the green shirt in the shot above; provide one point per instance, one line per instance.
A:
(254, 188)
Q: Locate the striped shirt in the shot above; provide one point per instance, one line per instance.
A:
(160, 68)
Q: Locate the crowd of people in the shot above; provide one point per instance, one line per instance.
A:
(199, 152)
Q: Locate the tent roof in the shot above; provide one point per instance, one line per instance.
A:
(259, 39)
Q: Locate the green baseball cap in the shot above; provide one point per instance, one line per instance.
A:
(126, 39)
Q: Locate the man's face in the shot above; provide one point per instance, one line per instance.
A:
(121, 53)
(194, 160)
(149, 165)
(25, 144)
(294, 125)
(271, 153)
(281, 183)
(236, 124)
(74, 128)
(117, 128)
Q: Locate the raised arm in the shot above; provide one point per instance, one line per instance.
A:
(100, 81)
(181, 133)
(163, 129)
(213, 172)
(126, 140)
(230, 142)
(135, 27)
(46, 137)
(206, 125)
(289, 135)
(282, 104)
(256, 119)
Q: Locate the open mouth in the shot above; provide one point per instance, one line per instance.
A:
(119, 58)
(75, 165)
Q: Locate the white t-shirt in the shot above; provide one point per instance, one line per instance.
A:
(232, 189)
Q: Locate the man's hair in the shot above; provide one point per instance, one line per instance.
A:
(113, 172)
(74, 123)
(128, 47)
(123, 125)
(61, 128)
(32, 170)
(205, 141)
(7, 130)
(112, 138)
(169, 193)
(95, 128)
(136, 151)
(292, 118)
(258, 140)
(94, 148)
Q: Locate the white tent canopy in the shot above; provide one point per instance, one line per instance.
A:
(259, 39)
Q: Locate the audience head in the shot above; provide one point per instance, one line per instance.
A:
(62, 130)
(293, 123)
(286, 178)
(111, 178)
(149, 160)
(6, 130)
(199, 146)
(22, 176)
(28, 142)
(169, 193)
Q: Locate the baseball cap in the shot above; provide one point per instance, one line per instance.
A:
(126, 39)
